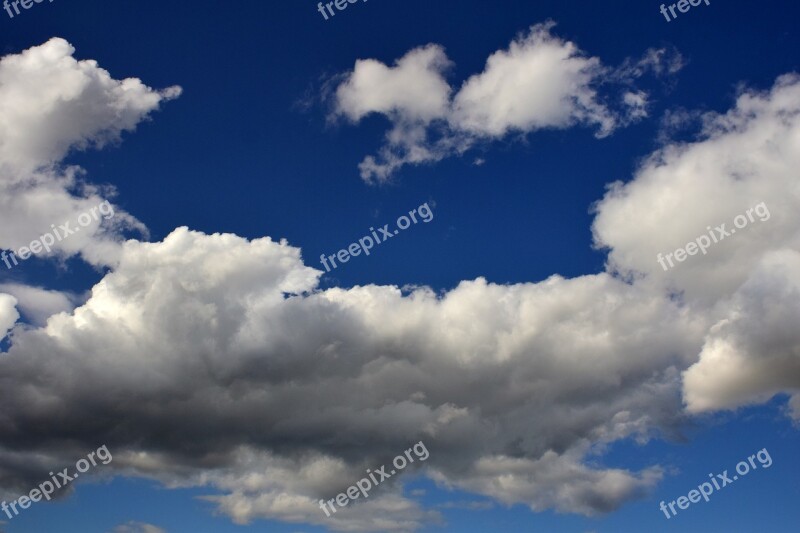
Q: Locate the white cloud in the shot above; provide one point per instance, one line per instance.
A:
(8, 313)
(746, 287)
(214, 361)
(39, 304)
(744, 157)
(342, 379)
(51, 103)
(414, 88)
(137, 527)
(540, 81)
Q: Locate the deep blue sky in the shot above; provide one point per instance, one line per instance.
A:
(238, 152)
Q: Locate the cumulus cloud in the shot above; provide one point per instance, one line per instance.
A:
(540, 81)
(52, 103)
(746, 285)
(742, 158)
(215, 361)
(266, 486)
(753, 353)
(555, 482)
(190, 340)
(414, 87)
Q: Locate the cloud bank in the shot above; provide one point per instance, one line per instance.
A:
(217, 361)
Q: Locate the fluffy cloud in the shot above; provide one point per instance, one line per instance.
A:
(39, 304)
(753, 353)
(540, 81)
(742, 158)
(414, 88)
(746, 285)
(189, 341)
(553, 481)
(52, 103)
(216, 361)
(283, 488)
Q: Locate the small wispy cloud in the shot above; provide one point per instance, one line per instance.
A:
(137, 527)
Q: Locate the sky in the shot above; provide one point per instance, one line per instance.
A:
(250, 250)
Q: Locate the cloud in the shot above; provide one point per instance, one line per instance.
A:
(265, 486)
(215, 361)
(77, 105)
(753, 353)
(8, 313)
(137, 527)
(539, 82)
(742, 158)
(52, 103)
(555, 482)
(39, 304)
(746, 286)
(413, 88)
(190, 340)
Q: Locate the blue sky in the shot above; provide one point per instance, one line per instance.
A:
(200, 359)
